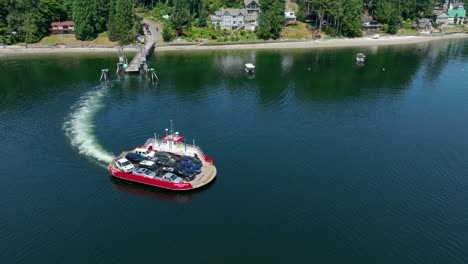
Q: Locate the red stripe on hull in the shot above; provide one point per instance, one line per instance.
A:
(149, 181)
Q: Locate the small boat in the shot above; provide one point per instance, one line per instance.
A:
(249, 68)
(167, 163)
(360, 57)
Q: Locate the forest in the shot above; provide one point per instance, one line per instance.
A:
(28, 20)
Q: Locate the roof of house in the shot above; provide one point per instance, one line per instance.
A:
(247, 2)
(231, 11)
(442, 15)
(423, 22)
(454, 12)
(64, 23)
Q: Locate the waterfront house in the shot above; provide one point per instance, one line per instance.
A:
(65, 27)
(441, 17)
(229, 18)
(238, 18)
(424, 25)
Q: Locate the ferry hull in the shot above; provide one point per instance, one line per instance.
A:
(148, 181)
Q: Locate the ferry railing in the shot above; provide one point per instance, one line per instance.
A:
(195, 149)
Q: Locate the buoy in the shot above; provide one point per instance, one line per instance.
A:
(383, 69)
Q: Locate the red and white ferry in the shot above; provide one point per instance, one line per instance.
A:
(173, 144)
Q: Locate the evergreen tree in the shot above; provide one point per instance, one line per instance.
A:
(127, 24)
(111, 25)
(180, 15)
(271, 19)
(100, 14)
(84, 19)
(352, 18)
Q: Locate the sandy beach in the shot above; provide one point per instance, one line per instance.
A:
(328, 43)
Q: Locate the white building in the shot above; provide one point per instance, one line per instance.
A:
(235, 18)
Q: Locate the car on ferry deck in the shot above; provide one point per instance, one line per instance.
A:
(165, 161)
(185, 173)
(190, 166)
(165, 154)
(171, 177)
(145, 173)
(150, 165)
(192, 160)
(124, 165)
(134, 157)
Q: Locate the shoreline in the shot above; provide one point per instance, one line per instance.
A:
(310, 44)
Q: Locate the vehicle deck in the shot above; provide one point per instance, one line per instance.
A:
(208, 172)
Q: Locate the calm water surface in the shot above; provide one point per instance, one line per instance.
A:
(319, 160)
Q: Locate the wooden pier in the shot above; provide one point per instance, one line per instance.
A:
(138, 62)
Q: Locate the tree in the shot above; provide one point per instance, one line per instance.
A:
(126, 23)
(271, 19)
(352, 18)
(180, 15)
(383, 11)
(111, 24)
(84, 19)
(167, 34)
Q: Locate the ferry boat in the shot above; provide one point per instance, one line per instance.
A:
(167, 163)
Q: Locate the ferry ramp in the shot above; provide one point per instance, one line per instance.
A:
(139, 60)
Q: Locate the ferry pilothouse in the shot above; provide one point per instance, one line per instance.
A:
(167, 163)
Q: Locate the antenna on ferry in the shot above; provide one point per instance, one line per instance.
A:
(166, 131)
(172, 128)
(194, 143)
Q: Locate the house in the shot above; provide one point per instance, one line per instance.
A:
(235, 18)
(229, 18)
(289, 18)
(423, 25)
(65, 27)
(253, 13)
(441, 17)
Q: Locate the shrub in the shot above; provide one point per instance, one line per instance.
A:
(384, 27)
(167, 34)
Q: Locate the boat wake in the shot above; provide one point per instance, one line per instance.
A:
(79, 127)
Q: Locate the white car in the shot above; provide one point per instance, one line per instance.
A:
(172, 178)
(145, 152)
(124, 165)
(145, 173)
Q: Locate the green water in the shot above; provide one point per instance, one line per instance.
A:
(319, 160)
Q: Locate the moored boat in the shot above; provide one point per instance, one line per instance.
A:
(167, 163)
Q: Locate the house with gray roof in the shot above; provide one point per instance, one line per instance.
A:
(235, 18)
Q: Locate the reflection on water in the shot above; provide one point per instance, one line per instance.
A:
(313, 148)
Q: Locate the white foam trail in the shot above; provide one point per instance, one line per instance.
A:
(79, 127)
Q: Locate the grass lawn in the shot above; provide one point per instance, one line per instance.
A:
(407, 32)
(297, 31)
(70, 39)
